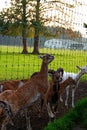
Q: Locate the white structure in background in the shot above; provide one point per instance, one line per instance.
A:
(65, 44)
(85, 47)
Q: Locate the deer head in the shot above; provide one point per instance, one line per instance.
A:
(60, 71)
(56, 75)
(47, 58)
(83, 69)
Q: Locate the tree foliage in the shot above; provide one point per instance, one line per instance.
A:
(32, 18)
(85, 25)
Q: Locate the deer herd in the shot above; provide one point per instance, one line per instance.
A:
(17, 95)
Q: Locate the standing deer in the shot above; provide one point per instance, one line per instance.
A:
(76, 77)
(37, 87)
(57, 89)
(54, 82)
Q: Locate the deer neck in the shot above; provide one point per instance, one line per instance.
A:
(80, 73)
(44, 70)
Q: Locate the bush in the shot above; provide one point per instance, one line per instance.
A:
(81, 109)
(79, 113)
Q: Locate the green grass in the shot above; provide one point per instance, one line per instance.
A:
(14, 65)
(69, 120)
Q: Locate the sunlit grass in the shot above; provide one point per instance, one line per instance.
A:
(14, 65)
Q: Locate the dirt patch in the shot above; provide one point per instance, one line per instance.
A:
(38, 123)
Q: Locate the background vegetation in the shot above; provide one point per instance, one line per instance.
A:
(31, 18)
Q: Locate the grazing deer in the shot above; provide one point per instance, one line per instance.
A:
(76, 77)
(37, 87)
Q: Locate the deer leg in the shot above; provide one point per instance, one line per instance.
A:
(73, 94)
(41, 107)
(50, 113)
(5, 122)
(28, 120)
(3, 127)
(67, 96)
(61, 99)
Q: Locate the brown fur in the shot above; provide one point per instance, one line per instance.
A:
(23, 96)
(63, 85)
(54, 93)
(12, 84)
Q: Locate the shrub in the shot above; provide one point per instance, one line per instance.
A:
(79, 113)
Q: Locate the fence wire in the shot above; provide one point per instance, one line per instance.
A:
(69, 47)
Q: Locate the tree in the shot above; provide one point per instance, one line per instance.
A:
(40, 21)
(37, 21)
(36, 24)
(4, 21)
(26, 14)
(24, 24)
(20, 10)
(16, 20)
(85, 25)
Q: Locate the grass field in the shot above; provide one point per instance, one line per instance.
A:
(14, 65)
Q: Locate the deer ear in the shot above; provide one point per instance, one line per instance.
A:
(79, 67)
(40, 56)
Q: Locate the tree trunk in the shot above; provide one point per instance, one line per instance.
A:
(36, 36)
(24, 51)
(36, 48)
(24, 23)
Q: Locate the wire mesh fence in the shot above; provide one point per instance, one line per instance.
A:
(67, 42)
(15, 65)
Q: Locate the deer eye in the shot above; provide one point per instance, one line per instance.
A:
(83, 69)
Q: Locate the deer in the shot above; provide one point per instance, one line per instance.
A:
(12, 84)
(76, 77)
(56, 77)
(54, 88)
(37, 87)
(15, 84)
(57, 89)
